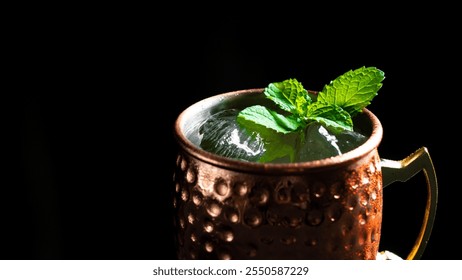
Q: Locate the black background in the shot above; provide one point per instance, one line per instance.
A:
(93, 148)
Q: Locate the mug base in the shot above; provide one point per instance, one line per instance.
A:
(387, 256)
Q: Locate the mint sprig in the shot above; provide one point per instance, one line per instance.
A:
(353, 90)
(333, 107)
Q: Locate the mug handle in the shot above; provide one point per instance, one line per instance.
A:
(402, 171)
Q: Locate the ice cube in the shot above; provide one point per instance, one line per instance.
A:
(317, 144)
(320, 143)
(349, 140)
(222, 135)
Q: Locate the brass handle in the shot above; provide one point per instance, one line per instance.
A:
(402, 171)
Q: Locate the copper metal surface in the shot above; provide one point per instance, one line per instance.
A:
(230, 209)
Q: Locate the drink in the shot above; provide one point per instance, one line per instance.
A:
(239, 209)
(297, 126)
(229, 204)
(221, 134)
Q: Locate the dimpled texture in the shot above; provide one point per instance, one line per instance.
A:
(326, 214)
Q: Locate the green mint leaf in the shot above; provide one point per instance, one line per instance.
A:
(257, 118)
(302, 103)
(276, 148)
(330, 115)
(276, 130)
(353, 90)
(289, 95)
(333, 107)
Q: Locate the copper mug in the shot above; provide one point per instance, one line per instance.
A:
(323, 209)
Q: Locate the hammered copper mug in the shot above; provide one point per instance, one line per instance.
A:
(324, 209)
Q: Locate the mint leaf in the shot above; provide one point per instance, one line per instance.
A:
(257, 116)
(353, 90)
(289, 95)
(333, 108)
(279, 146)
(330, 115)
(276, 130)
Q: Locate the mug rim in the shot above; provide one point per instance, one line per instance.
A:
(367, 147)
